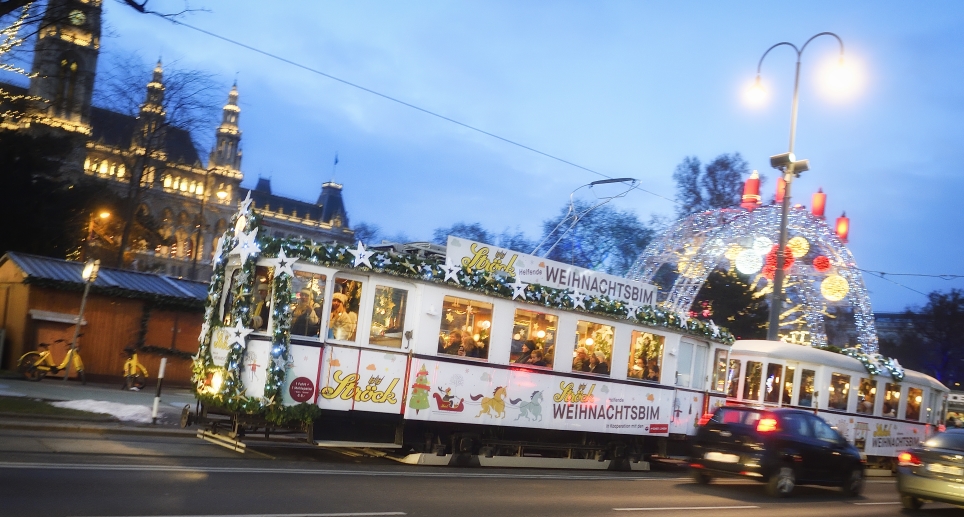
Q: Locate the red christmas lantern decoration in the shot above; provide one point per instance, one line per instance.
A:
(821, 264)
(819, 203)
(843, 227)
(781, 190)
(771, 261)
(751, 192)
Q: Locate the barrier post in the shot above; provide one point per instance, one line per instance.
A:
(157, 394)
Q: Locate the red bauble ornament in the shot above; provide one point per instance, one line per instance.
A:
(770, 266)
(821, 264)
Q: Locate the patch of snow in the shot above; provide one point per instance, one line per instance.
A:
(126, 412)
(6, 391)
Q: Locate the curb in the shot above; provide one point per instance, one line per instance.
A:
(91, 427)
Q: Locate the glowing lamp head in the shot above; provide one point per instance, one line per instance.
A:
(755, 95)
(90, 270)
(589, 341)
(541, 334)
(819, 203)
(839, 78)
(843, 227)
(104, 215)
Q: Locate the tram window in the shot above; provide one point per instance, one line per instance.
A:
(699, 367)
(465, 328)
(806, 388)
(839, 391)
(594, 348)
(263, 277)
(772, 392)
(646, 356)
(719, 370)
(788, 386)
(231, 293)
(732, 378)
(866, 395)
(307, 303)
(914, 398)
(343, 320)
(752, 380)
(891, 399)
(388, 316)
(533, 331)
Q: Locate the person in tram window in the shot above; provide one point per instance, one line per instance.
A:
(637, 370)
(469, 348)
(343, 322)
(260, 318)
(527, 349)
(304, 317)
(652, 373)
(581, 362)
(537, 358)
(452, 343)
(598, 364)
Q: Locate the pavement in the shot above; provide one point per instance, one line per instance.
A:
(128, 406)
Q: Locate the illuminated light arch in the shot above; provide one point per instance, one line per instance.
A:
(713, 233)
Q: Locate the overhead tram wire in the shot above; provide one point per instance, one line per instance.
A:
(399, 101)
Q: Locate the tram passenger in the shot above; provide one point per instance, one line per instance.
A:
(638, 369)
(889, 410)
(598, 364)
(343, 322)
(452, 343)
(304, 318)
(538, 358)
(581, 362)
(260, 318)
(652, 372)
(550, 355)
(527, 349)
(469, 348)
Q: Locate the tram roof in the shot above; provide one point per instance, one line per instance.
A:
(783, 350)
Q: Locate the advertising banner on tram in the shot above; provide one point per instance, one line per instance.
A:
(877, 436)
(548, 273)
(465, 393)
(363, 380)
(301, 379)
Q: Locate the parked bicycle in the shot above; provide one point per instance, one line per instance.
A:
(135, 374)
(37, 365)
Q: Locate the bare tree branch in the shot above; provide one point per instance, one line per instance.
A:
(141, 7)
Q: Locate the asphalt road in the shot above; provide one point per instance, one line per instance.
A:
(88, 474)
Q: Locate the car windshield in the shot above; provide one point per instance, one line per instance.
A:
(946, 441)
(742, 416)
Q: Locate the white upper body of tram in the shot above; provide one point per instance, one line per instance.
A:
(362, 340)
(877, 413)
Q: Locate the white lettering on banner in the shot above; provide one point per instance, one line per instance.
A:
(548, 273)
(877, 436)
(449, 392)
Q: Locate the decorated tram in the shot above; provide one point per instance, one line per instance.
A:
(472, 348)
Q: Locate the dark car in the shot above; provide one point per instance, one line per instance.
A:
(780, 447)
(933, 471)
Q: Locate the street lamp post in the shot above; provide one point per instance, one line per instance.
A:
(89, 275)
(221, 194)
(791, 168)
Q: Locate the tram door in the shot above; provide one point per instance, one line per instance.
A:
(691, 364)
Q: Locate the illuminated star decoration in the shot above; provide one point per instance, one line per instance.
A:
(451, 271)
(578, 299)
(219, 252)
(247, 245)
(361, 255)
(518, 288)
(239, 333)
(714, 328)
(410, 266)
(631, 310)
(283, 264)
(205, 327)
(246, 204)
(683, 317)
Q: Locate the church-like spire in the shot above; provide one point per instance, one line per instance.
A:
(227, 152)
(153, 106)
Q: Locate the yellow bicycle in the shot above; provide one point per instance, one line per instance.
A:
(36, 365)
(135, 374)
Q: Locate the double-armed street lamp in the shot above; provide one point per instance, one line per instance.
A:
(791, 168)
(222, 195)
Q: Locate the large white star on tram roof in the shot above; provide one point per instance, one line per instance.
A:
(518, 288)
(247, 245)
(714, 328)
(239, 333)
(246, 204)
(578, 299)
(451, 271)
(283, 263)
(361, 255)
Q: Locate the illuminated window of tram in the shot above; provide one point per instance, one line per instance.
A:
(388, 316)
(914, 398)
(891, 399)
(719, 370)
(261, 312)
(733, 378)
(465, 328)
(806, 388)
(839, 391)
(646, 356)
(307, 303)
(772, 386)
(232, 292)
(866, 395)
(752, 380)
(788, 387)
(533, 338)
(343, 319)
(593, 348)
